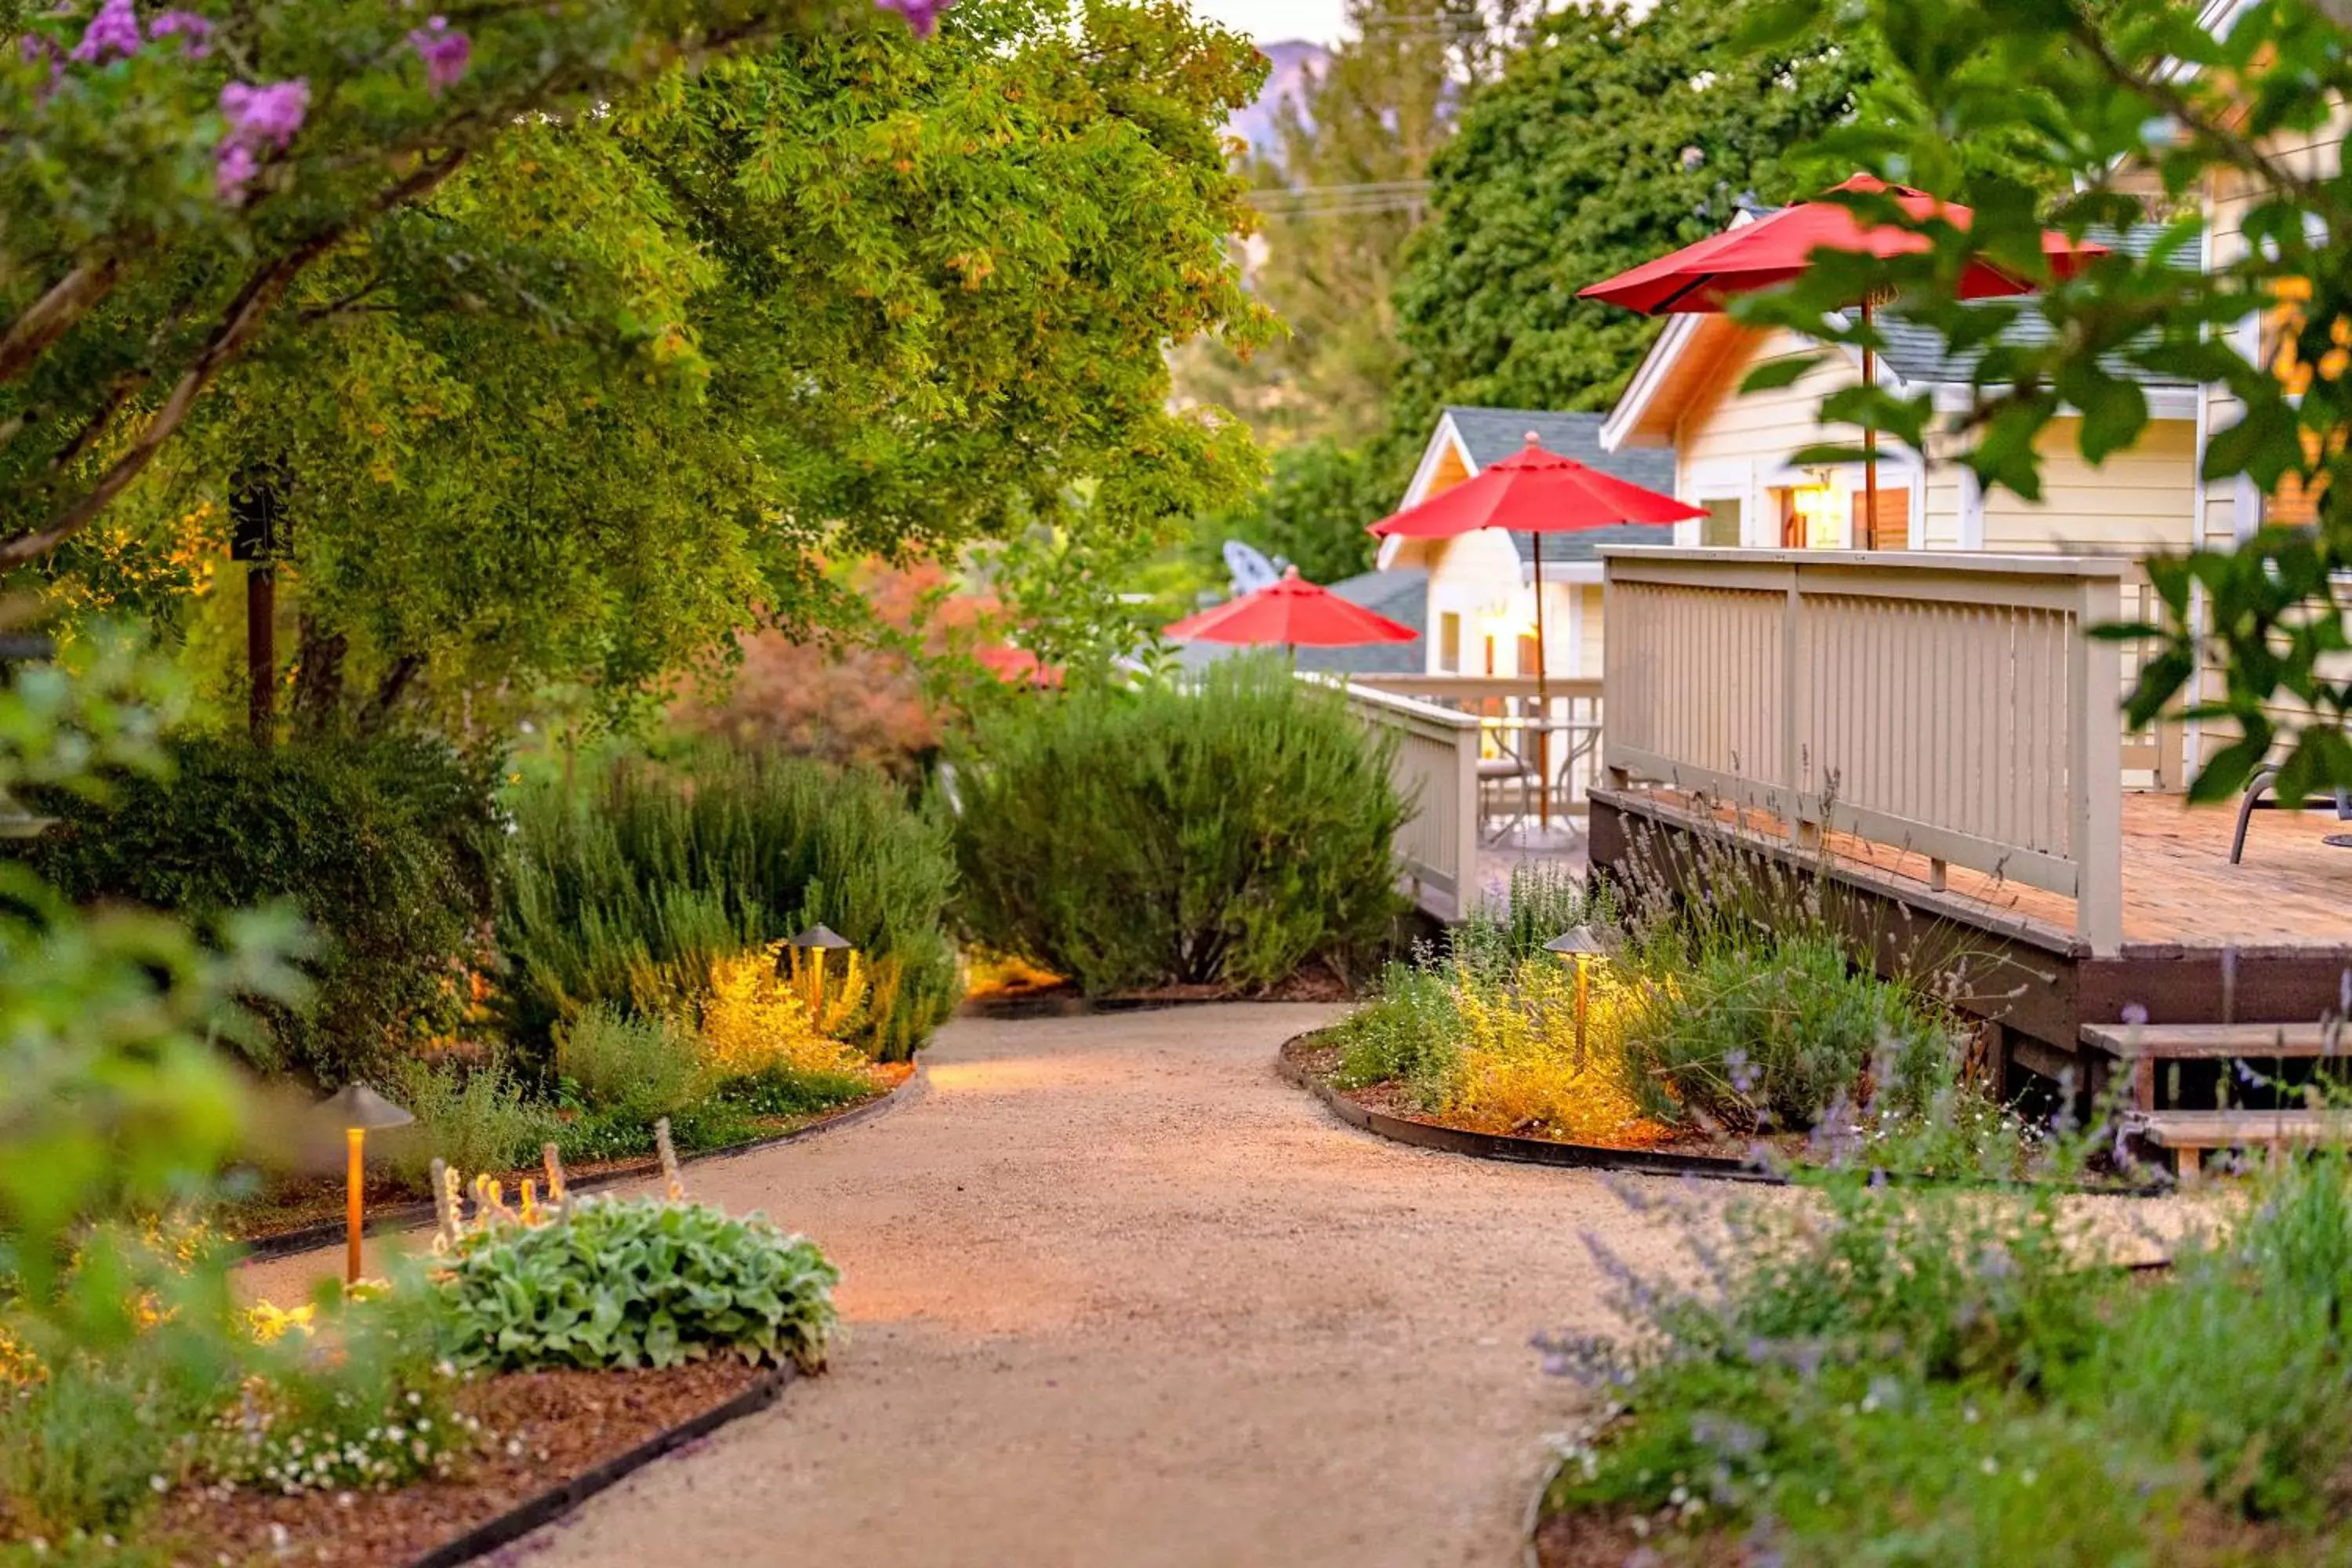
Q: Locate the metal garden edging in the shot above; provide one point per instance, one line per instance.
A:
(1507, 1146)
(556, 1501)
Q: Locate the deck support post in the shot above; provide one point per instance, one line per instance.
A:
(2095, 762)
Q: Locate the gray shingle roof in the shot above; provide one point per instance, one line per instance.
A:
(1916, 353)
(1401, 595)
(1585, 543)
(1491, 435)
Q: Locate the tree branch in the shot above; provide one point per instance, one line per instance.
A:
(48, 317)
(2239, 152)
(84, 438)
(337, 307)
(390, 690)
(237, 326)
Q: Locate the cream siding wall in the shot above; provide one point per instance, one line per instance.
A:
(1474, 576)
(1725, 443)
(1591, 650)
(2136, 501)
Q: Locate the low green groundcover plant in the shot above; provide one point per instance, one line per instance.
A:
(1225, 834)
(630, 1283)
(618, 1076)
(1906, 1375)
(355, 1397)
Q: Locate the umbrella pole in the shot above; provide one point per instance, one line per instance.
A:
(1869, 441)
(1543, 698)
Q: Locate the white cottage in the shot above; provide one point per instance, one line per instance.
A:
(1482, 587)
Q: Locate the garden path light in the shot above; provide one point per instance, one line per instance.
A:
(1580, 945)
(817, 939)
(358, 1111)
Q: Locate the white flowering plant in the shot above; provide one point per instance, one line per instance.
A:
(356, 1399)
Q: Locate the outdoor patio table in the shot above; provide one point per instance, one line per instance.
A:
(1583, 735)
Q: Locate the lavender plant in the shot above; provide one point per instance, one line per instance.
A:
(1898, 1374)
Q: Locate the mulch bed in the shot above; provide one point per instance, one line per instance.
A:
(295, 1203)
(1593, 1538)
(540, 1429)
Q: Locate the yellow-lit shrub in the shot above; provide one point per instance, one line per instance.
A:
(754, 1022)
(1519, 1065)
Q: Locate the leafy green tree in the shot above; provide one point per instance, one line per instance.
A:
(170, 175)
(113, 1098)
(1339, 200)
(614, 393)
(2132, 103)
(1611, 139)
(1339, 197)
(1314, 509)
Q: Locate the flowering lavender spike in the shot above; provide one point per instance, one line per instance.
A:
(33, 47)
(113, 31)
(234, 166)
(444, 52)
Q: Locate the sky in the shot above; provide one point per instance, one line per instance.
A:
(1271, 21)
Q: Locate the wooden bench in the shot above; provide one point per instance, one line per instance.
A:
(2140, 1048)
(2190, 1134)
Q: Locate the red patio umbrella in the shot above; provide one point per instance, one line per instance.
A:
(1699, 279)
(1294, 613)
(1536, 492)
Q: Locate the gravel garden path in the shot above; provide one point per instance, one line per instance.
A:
(1117, 1296)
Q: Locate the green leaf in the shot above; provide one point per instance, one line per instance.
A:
(1786, 370)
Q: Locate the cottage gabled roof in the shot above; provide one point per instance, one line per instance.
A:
(1487, 435)
(1490, 434)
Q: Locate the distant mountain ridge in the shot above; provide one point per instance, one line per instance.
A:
(1296, 65)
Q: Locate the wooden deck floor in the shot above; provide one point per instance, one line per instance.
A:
(2291, 890)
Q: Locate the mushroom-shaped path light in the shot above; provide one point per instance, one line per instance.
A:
(1580, 945)
(358, 1111)
(818, 940)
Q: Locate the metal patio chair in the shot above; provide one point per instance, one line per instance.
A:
(2258, 798)
(1496, 773)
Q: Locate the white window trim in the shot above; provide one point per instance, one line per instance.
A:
(1724, 479)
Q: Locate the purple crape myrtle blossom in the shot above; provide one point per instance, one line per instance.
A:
(34, 47)
(444, 52)
(113, 31)
(261, 116)
(195, 32)
(922, 16)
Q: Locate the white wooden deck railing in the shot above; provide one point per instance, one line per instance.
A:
(1948, 705)
(1436, 767)
(1571, 762)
